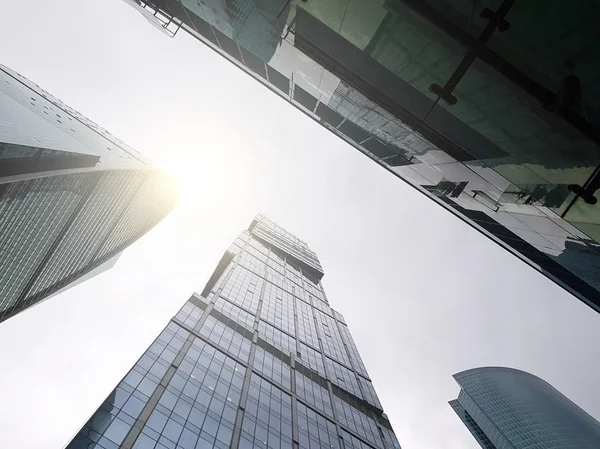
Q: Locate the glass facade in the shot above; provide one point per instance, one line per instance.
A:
(37, 125)
(72, 196)
(506, 408)
(489, 108)
(234, 369)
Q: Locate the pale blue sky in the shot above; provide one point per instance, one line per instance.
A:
(425, 295)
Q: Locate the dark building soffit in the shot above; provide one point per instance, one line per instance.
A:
(252, 225)
(72, 171)
(223, 263)
(310, 270)
(232, 323)
(38, 163)
(198, 302)
(479, 435)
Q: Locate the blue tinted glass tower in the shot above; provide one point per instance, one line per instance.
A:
(258, 359)
(481, 107)
(506, 408)
(72, 196)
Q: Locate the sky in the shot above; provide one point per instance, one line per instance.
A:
(425, 295)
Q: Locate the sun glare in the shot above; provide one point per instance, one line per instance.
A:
(202, 175)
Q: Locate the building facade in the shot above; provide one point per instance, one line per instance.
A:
(72, 196)
(505, 408)
(258, 359)
(484, 107)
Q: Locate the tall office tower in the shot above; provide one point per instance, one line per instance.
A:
(258, 359)
(511, 409)
(489, 111)
(72, 196)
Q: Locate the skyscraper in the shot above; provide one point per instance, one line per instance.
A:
(72, 196)
(511, 409)
(258, 359)
(487, 110)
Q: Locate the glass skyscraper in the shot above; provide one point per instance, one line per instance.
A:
(258, 359)
(505, 408)
(72, 196)
(490, 108)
